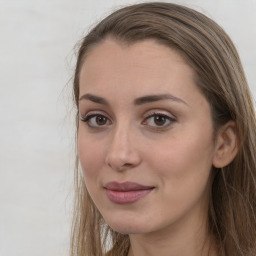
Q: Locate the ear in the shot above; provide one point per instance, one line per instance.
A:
(226, 146)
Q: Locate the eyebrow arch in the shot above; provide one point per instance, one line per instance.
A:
(138, 101)
(94, 98)
(153, 98)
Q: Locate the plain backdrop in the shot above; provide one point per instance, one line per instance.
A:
(37, 40)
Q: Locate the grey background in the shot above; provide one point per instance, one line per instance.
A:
(37, 39)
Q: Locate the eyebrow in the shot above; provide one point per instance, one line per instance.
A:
(94, 98)
(139, 101)
(153, 98)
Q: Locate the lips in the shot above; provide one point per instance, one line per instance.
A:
(127, 192)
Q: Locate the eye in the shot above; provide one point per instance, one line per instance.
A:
(96, 120)
(158, 120)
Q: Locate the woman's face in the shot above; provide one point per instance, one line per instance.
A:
(145, 138)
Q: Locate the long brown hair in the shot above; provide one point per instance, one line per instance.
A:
(220, 77)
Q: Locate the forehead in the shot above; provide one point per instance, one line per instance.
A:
(110, 49)
(141, 63)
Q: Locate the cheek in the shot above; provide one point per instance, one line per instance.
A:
(91, 157)
(183, 177)
(183, 161)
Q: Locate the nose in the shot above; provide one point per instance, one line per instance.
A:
(123, 150)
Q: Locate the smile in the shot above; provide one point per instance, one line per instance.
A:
(127, 192)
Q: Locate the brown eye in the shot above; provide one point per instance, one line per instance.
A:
(96, 120)
(160, 120)
(101, 120)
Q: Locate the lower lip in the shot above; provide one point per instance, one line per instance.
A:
(126, 197)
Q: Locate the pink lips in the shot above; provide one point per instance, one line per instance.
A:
(127, 192)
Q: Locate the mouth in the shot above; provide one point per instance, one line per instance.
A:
(127, 192)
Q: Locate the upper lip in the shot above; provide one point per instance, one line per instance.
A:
(126, 186)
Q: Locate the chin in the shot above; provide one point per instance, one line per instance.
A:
(128, 225)
(128, 229)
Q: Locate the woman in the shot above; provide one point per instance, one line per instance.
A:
(166, 138)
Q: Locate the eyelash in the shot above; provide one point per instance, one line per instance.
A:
(166, 118)
(154, 115)
(88, 118)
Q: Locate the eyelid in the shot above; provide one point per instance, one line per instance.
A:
(159, 112)
(169, 120)
(93, 112)
(90, 115)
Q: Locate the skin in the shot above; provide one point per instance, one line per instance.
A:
(119, 140)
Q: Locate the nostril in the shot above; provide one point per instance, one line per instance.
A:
(126, 166)
(120, 167)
